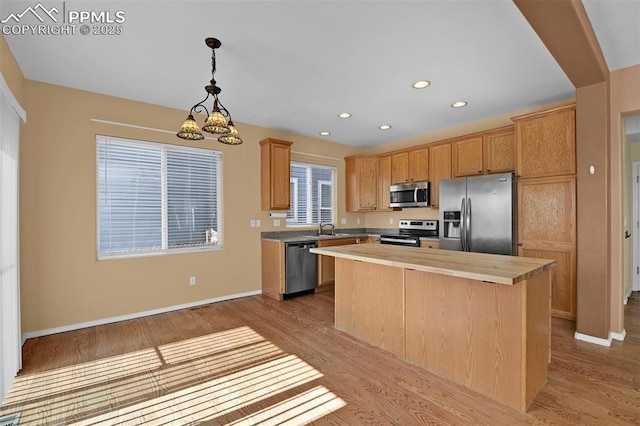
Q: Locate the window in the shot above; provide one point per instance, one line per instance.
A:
(312, 196)
(155, 198)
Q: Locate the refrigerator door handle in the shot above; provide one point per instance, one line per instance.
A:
(463, 229)
(468, 224)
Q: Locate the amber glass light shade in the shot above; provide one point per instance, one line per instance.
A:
(190, 130)
(232, 138)
(216, 123)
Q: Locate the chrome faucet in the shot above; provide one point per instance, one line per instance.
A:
(323, 224)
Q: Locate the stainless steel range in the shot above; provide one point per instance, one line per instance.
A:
(410, 231)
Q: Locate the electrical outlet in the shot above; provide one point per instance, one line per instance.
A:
(390, 221)
(253, 223)
(343, 221)
(357, 221)
(258, 223)
(276, 222)
(192, 280)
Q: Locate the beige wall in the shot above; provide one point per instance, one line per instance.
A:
(10, 71)
(592, 131)
(62, 282)
(624, 101)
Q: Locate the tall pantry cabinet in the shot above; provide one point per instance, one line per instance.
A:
(546, 172)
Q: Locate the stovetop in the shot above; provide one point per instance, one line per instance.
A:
(415, 228)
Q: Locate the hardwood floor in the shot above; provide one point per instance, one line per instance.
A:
(260, 361)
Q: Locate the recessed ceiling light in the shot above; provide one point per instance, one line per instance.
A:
(384, 127)
(325, 133)
(421, 84)
(344, 115)
(458, 104)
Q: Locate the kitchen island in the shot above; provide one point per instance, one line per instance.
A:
(480, 320)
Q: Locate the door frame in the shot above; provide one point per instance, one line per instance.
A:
(635, 226)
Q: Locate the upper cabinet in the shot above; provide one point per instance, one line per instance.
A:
(439, 169)
(384, 182)
(499, 150)
(546, 143)
(361, 182)
(410, 166)
(467, 157)
(491, 152)
(275, 170)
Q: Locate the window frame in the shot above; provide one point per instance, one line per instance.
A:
(310, 201)
(164, 200)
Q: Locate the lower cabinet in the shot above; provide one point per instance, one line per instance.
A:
(430, 244)
(327, 264)
(273, 269)
(547, 230)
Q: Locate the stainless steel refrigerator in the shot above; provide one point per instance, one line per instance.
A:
(479, 214)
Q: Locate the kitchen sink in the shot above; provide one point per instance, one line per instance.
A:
(323, 236)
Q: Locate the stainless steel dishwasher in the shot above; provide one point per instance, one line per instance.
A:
(301, 267)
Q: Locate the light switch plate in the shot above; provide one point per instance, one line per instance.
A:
(258, 223)
(357, 221)
(276, 222)
(343, 221)
(390, 221)
(253, 223)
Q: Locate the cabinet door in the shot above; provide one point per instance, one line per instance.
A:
(327, 264)
(547, 229)
(419, 165)
(275, 170)
(546, 143)
(467, 157)
(400, 167)
(439, 169)
(361, 183)
(499, 151)
(384, 182)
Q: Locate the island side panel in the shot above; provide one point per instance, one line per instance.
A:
(369, 300)
(468, 331)
(538, 350)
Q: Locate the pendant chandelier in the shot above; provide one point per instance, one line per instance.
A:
(218, 120)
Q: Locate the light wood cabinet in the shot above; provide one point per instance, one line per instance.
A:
(547, 230)
(439, 169)
(546, 143)
(361, 182)
(410, 166)
(499, 151)
(275, 171)
(400, 167)
(384, 182)
(467, 157)
(273, 269)
(327, 264)
(430, 244)
(419, 165)
(490, 152)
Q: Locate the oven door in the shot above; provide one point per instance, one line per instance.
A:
(400, 240)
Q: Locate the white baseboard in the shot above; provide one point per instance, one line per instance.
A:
(591, 339)
(626, 296)
(78, 326)
(619, 336)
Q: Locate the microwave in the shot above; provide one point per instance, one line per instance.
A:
(414, 194)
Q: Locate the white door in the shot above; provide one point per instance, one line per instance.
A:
(10, 355)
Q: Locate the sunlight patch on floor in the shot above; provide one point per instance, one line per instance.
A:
(184, 382)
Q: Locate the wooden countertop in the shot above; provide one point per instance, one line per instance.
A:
(477, 266)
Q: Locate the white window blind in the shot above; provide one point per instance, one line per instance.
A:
(155, 198)
(312, 194)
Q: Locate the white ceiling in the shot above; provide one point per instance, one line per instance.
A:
(294, 65)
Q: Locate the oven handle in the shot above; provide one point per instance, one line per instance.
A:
(402, 241)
